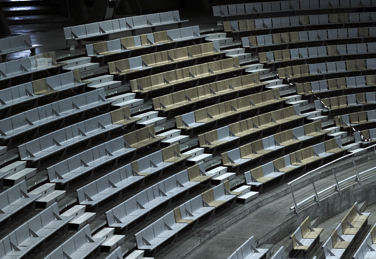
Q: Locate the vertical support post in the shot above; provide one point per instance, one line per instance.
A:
(293, 198)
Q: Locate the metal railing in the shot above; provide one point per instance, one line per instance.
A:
(332, 177)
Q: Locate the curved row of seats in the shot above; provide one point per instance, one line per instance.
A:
(355, 119)
(255, 124)
(345, 101)
(62, 139)
(184, 75)
(34, 118)
(279, 141)
(306, 70)
(285, 164)
(222, 110)
(115, 181)
(85, 31)
(126, 44)
(173, 222)
(335, 84)
(32, 90)
(86, 161)
(163, 58)
(319, 36)
(26, 66)
(279, 56)
(204, 92)
(33, 232)
(298, 21)
(368, 246)
(287, 6)
(142, 203)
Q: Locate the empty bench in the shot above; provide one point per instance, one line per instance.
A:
(248, 250)
(15, 44)
(345, 233)
(62, 139)
(305, 236)
(35, 118)
(368, 247)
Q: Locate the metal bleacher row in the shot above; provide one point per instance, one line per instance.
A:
(149, 138)
(298, 21)
(286, 6)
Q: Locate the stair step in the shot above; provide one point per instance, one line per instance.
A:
(106, 85)
(273, 82)
(137, 254)
(249, 196)
(333, 129)
(75, 211)
(281, 87)
(327, 123)
(29, 10)
(341, 134)
(113, 242)
(22, 175)
(35, 19)
(358, 151)
(105, 232)
(49, 199)
(13, 168)
(352, 146)
(83, 67)
(44, 190)
(3, 150)
(242, 189)
(298, 102)
(223, 177)
(217, 171)
(81, 220)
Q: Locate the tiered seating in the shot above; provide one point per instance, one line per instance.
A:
(26, 66)
(365, 136)
(305, 236)
(79, 246)
(32, 233)
(335, 84)
(143, 202)
(298, 21)
(15, 44)
(355, 119)
(345, 101)
(279, 167)
(108, 185)
(127, 44)
(248, 250)
(285, 6)
(287, 55)
(162, 58)
(214, 138)
(219, 111)
(154, 235)
(32, 119)
(14, 199)
(158, 232)
(84, 162)
(368, 247)
(326, 68)
(345, 233)
(204, 92)
(142, 137)
(184, 75)
(91, 30)
(258, 148)
(62, 139)
(307, 36)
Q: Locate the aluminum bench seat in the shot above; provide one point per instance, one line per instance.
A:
(248, 250)
(197, 173)
(108, 185)
(80, 245)
(86, 161)
(15, 199)
(367, 249)
(262, 174)
(142, 137)
(217, 196)
(20, 123)
(304, 236)
(158, 232)
(63, 138)
(26, 66)
(150, 164)
(191, 210)
(143, 202)
(16, 43)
